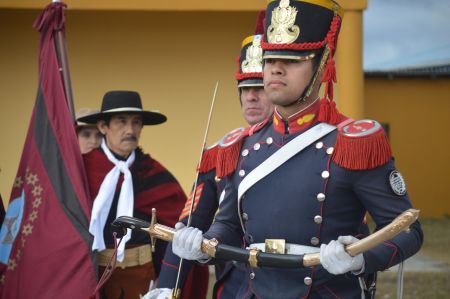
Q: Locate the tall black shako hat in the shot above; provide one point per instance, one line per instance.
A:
(124, 101)
(249, 72)
(304, 29)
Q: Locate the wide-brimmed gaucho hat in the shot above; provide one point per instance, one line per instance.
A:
(124, 101)
(83, 112)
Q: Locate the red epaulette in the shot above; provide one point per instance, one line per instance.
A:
(228, 151)
(209, 159)
(362, 145)
(230, 147)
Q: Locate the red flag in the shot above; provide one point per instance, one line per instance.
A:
(2, 210)
(44, 240)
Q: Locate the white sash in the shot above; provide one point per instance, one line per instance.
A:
(277, 159)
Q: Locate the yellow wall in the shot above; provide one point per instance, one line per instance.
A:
(418, 113)
(172, 58)
(181, 5)
(349, 66)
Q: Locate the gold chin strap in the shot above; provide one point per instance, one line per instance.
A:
(323, 61)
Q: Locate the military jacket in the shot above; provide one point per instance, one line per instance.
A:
(309, 200)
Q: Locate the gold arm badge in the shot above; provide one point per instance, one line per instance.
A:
(282, 29)
(253, 57)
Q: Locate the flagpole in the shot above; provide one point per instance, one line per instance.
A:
(61, 51)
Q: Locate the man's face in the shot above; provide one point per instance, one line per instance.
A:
(122, 134)
(255, 105)
(286, 79)
(89, 137)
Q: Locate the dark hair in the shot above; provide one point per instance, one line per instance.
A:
(316, 63)
(316, 60)
(79, 128)
(107, 117)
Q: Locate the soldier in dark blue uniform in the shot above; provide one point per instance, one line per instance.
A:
(303, 181)
(210, 190)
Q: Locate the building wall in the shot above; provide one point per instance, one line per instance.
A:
(172, 53)
(162, 55)
(177, 5)
(418, 114)
(174, 67)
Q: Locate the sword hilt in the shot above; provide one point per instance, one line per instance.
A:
(155, 230)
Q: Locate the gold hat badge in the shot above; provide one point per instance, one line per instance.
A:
(253, 57)
(282, 29)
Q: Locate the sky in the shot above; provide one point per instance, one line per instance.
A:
(402, 33)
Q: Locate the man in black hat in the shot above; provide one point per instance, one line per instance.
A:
(124, 181)
(304, 181)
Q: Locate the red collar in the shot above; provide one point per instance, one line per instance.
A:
(298, 121)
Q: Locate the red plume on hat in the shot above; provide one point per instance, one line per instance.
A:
(260, 22)
(328, 111)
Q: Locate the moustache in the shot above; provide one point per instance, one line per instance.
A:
(130, 138)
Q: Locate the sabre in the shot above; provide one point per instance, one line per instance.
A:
(256, 258)
(176, 292)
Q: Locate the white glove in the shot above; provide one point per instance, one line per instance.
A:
(336, 261)
(162, 293)
(187, 242)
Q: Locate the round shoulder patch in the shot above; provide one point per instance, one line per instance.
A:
(231, 137)
(361, 128)
(397, 183)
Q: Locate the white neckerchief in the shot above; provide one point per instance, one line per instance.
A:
(103, 201)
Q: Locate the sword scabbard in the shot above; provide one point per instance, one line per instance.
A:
(261, 259)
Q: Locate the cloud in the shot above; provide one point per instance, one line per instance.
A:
(395, 29)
